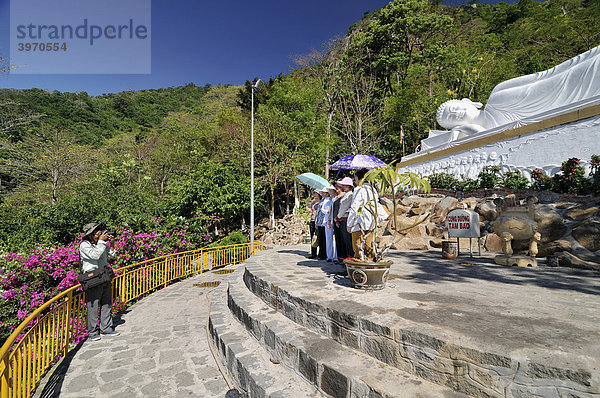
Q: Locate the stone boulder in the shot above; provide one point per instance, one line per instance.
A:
(436, 243)
(418, 201)
(493, 243)
(566, 259)
(268, 240)
(434, 230)
(401, 209)
(441, 208)
(416, 232)
(417, 211)
(289, 230)
(588, 235)
(550, 248)
(411, 244)
(580, 213)
(384, 240)
(402, 222)
(470, 202)
(549, 223)
(487, 210)
(547, 197)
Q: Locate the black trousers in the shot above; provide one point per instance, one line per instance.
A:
(99, 298)
(347, 238)
(339, 241)
(313, 231)
(322, 244)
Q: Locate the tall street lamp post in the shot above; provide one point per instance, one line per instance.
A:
(257, 85)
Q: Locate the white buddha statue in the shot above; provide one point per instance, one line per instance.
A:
(527, 99)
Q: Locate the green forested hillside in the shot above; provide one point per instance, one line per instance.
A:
(67, 157)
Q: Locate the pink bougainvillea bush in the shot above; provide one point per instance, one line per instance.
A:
(27, 280)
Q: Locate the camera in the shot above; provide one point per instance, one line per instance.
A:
(103, 227)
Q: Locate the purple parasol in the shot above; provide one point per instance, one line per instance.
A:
(357, 162)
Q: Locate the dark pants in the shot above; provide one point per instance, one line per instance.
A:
(99, 296)
(322, 243)
(347, 238)
(313, 231)
(339, 241)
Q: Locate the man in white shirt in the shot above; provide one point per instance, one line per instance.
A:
(361, 217)
(94, 253)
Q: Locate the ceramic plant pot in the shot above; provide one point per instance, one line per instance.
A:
(449, 250)
(368, 275)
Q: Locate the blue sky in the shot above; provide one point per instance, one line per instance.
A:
(214, 42)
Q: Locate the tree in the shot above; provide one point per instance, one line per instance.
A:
(361, 107)
(46, 158)
(323, 65)
(288, 138)
(217, 189)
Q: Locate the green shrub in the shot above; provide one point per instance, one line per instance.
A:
(234, 238)
(467, 184)
(540, 181)
(571, 179)
(514, 180)
(442, 181)
(489, 177)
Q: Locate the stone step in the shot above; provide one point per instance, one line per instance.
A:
(247, 363)
(311, 295)
(336, 370)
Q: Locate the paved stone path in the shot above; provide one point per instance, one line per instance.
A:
(162, 351)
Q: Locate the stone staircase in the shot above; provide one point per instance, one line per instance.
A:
(269, 355)
(284, 329)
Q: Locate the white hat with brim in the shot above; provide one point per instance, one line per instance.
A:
(345, 181)
(326, 189)
(90, 228)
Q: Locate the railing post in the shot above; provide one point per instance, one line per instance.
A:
(166, 271)
(68, 323)
(4, 378)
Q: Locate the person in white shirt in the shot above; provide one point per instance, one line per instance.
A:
(361, 217)
(321, 222)
(329, 227)
(312, 207)
(325, 227)
(341, 219)
(93, 254)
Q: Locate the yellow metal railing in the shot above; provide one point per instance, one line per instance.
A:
(47, 334)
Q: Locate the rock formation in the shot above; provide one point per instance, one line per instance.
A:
(568, 230)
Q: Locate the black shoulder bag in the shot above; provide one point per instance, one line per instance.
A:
(94, 278)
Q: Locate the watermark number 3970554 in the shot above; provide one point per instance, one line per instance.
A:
(42, 47)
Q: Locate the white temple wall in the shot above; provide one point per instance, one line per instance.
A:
(544, 149)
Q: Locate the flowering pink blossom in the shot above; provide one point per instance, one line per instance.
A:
(9, 294)
(31, 278)
(21, 314)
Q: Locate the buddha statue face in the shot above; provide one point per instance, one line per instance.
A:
(455, 113)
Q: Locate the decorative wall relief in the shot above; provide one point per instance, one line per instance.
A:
(544, 150)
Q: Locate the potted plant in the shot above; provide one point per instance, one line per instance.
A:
(372, 273)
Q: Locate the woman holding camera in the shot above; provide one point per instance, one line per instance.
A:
(94, 254)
